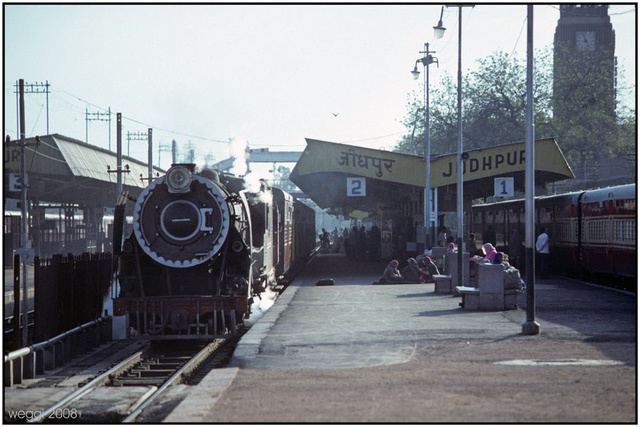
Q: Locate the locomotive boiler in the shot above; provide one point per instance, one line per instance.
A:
(200, 250)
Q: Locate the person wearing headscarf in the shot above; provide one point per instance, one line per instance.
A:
(489, 252)
(392, 274)
(428, 268)
(412, 272)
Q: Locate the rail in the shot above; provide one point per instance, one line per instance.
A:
(96, 382)
(176, 378)
(27, 362)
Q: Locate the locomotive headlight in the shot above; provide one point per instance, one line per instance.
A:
(178, 179)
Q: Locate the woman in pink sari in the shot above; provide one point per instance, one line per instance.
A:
(489, 252)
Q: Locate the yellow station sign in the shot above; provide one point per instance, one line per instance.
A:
(324, 157)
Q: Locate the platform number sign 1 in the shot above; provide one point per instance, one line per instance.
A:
(356, 186)
(503, 187)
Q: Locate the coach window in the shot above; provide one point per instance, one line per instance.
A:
(513, 215)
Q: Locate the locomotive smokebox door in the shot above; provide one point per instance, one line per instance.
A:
(181, 220)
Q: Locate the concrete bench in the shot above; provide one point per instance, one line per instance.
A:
(470, 297)
(443, 283)
(490, 293)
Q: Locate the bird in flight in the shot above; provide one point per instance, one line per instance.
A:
(335, 114)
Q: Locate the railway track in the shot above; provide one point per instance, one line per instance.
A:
(135, 383)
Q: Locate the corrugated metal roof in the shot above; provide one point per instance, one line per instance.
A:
(88, 161)
(58, 155)
(44, 158)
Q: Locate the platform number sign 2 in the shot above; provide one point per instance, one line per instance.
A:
(503, 187)
(356, 187)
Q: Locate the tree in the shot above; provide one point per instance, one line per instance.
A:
(572, 105)
(494, 105)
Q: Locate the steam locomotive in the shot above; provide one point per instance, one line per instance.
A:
(203, 246)
(592, 233)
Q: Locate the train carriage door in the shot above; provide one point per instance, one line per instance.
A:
(288, 235)
(277, 239)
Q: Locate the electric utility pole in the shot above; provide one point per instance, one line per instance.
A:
(97, 117)
(26, 253)
(32, 88)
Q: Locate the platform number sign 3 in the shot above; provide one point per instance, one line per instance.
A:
(356, 187)
(15, 182)
(503, 187)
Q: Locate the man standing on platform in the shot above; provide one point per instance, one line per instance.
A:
(542, 247)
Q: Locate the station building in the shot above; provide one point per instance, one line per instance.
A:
(387, 188)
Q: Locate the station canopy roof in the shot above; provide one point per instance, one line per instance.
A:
(324, 167)
(64, 170)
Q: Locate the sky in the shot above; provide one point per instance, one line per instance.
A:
(267, 75)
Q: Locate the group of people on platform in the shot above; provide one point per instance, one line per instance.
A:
(422, 269)
(360, 244)
(357, 243)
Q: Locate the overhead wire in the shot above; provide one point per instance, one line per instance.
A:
(74, 109)
(187, 134)
(130, 119)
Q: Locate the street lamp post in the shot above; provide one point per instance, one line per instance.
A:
(530, 327)
(460, 165)
(426, 60)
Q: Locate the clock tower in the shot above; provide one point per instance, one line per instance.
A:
(584, 62)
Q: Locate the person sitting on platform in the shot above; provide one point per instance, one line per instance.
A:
(428, 268)
(489, 253)
(512, 279)
(502, 258)
(451, 245)
(392, 274)
(413, 274)
(471, 245)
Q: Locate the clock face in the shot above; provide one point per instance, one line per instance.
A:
(585, 40)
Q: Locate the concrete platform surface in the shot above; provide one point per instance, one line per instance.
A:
(357, 352)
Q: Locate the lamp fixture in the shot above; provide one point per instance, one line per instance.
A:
(415, 73)
(429, 59)
(438, 30)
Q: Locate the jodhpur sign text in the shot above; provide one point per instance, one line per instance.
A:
(362, 161)
(488, 163)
